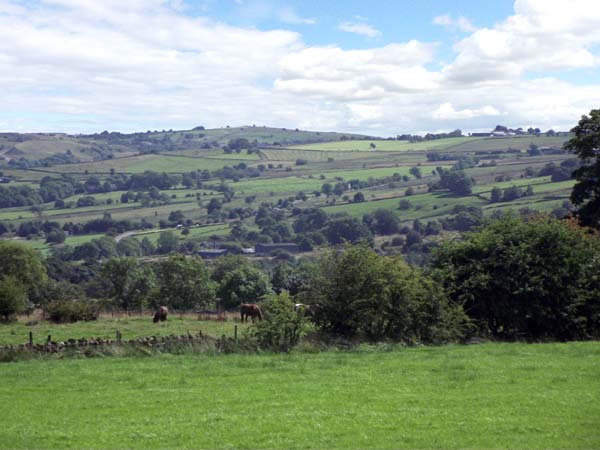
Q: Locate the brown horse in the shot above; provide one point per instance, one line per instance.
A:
(250, 310)
(161, 314)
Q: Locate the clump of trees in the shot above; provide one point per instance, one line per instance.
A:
(456, 181)
(517, 278)
(362, 294)
(586, 145)
(511, 278)
(22, 277)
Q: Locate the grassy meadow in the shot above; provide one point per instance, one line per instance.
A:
(105, 327)
(478, 396)
(386, 145)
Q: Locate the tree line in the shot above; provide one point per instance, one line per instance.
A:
(512, 279)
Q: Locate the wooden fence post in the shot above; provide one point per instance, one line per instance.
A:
(31, 338)
(235, 333)
(49, 339)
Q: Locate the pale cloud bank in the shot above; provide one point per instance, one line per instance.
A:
(88, 65)
(363, 29)
(461, 23)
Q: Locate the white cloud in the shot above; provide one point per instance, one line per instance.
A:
(288, 15)
(362, 29)
(447, 111)
(541, 35)
(88, 65)
(461, 23)
(330, 72)
(257, 11)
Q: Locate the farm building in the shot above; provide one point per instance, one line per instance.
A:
(267, 249)
(211, 253)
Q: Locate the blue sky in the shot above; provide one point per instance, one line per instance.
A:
(397, 20)
(382, 68)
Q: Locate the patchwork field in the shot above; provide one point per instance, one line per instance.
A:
(481, 396)
(385, 145)
(323, 162)
(514, 142)
(141, 163)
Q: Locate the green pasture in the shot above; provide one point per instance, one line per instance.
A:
(277, 185)
(539, 184)
(535, 182)
(270, 135)
(378, 172)
(40, 146)
(385, 145)
(195, 232)
(513, 142)
(17, 213)
(141, 163)
(131, 327)
(364, 174)
(533, 396)
(545, 202)
(180, 164)
(216, 154)
(422, 205)
(292, 154)
(26, 175)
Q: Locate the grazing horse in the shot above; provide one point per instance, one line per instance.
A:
(161, 314)
(250, 310)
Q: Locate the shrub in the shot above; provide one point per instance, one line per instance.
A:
(56, 236)
(362, 294)
(534, 279)
(68, 311)
(405, 204)
(13, 298)
(282, 328)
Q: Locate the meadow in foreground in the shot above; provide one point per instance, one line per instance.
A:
(483, 396)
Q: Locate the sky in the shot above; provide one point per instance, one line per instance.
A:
(381, 68)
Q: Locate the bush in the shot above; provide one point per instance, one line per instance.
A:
(282, 328)
(13, 298)
(69, 311)
(526, 279)
(56, 236)
(362, 294)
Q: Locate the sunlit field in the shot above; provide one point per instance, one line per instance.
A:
(480, 396)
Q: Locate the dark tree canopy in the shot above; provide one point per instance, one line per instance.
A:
(586, 145)
(535, 279)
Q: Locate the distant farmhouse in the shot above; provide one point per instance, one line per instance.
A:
(212, 253)
(502, 131)
(267, 249)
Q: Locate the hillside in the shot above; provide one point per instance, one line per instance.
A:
(24, 150)
(291, 176)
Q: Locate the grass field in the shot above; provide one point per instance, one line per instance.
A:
(310, 155)
(131, 327)
(141, 163)
(422, 205)
(204, 231)
(385, 145)
(482, 396)
(276, 185)
(515, 142)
